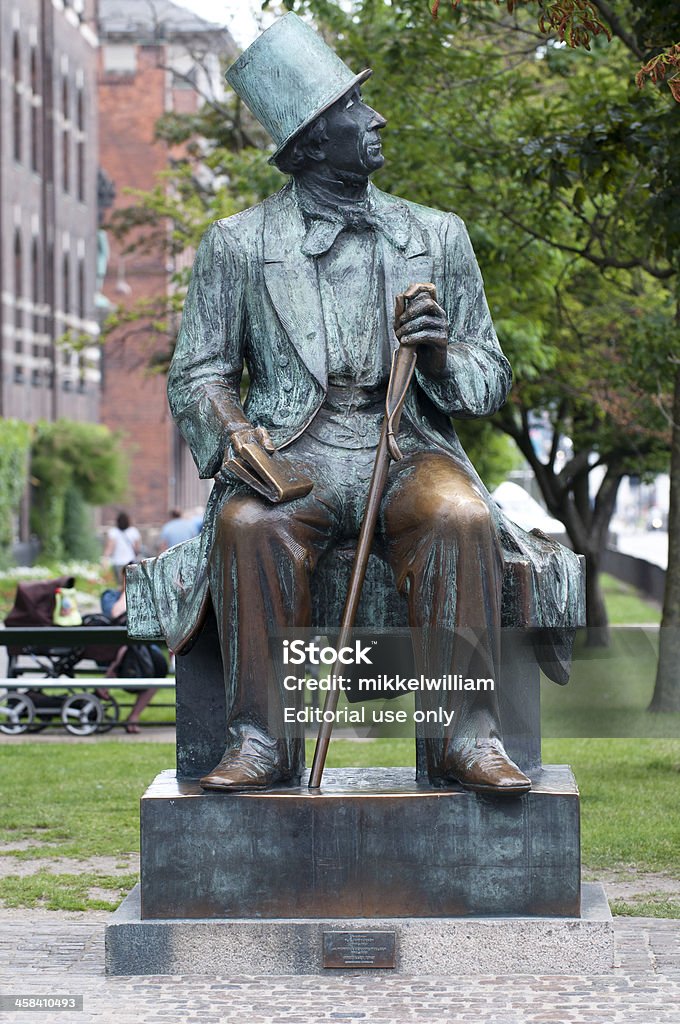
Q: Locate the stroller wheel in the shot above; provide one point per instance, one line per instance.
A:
(82, 713)
(17, 711)
(111, 713)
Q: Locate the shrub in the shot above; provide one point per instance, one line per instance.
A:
(15, 440)
(73, 465)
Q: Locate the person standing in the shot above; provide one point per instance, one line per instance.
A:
(176, 530)
(123, 545)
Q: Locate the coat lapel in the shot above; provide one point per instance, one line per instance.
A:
(291, 280)
(411, 263)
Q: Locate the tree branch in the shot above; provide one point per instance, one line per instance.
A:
(605, 502)
(662, 274)
(617, 28)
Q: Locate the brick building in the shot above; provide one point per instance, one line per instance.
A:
(155, 57)
(48, 210)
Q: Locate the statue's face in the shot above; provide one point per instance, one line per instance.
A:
(353, 130)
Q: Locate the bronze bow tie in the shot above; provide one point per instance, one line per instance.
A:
(324, 230)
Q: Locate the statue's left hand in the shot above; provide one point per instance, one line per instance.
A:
(245, 434)
(424, 323)
(251, 435)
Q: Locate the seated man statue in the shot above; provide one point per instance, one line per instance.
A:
(300, 290)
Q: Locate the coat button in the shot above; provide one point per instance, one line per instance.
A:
(283, 360)
(287, 385)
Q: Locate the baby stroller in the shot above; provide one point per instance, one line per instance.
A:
(81, 710)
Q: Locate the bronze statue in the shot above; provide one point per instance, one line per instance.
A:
(300, 290)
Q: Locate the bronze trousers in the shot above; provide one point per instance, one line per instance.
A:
(442, 546)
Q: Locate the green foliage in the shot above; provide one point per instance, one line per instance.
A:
(575, 22)
(72, 464)
(78, 534)
(15, 440)
(578, 23)
(492, 454)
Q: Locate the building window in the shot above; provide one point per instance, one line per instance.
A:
(49, 350)
(82, 313)
(186, 79)
(65, 135)
(18, 306)
(35, 286)
(66, 299)
(18, 292)
(35, 112)
(16, 99)
(36, 375)
(66, 285)
(80, 157)
(119, 60)
(82, 304)
(80, 148)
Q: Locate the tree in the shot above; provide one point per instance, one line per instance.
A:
(15, 443)
(545, 152)
(73, 465)
(551, 157)
(647, 32)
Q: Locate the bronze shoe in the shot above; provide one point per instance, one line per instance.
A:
(484, 767)
(239, 770)
(252, 763)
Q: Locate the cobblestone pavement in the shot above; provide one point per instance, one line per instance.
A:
(54, 954)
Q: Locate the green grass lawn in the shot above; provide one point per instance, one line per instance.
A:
(609, 690)
(626, 605)
(82, 800)
(610, 687)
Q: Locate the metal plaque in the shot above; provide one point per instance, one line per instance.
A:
(360, 949)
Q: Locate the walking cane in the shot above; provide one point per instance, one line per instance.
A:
(403, 365)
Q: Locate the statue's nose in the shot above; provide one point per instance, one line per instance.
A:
(376, 120)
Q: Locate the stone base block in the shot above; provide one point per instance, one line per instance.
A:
(582, 945)
(372, 843)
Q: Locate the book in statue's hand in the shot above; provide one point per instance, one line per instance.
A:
(272, 476)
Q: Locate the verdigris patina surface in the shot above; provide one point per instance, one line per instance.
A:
(300, 290)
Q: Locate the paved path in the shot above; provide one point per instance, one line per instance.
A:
(147, 734)
(43, 953)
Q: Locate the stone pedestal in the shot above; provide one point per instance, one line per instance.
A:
(372, 872)
(371, 843)
(582, 945)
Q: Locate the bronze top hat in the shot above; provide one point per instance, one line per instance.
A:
(289, 76)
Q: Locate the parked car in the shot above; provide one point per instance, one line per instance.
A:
(657, 519)
(524, 510)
